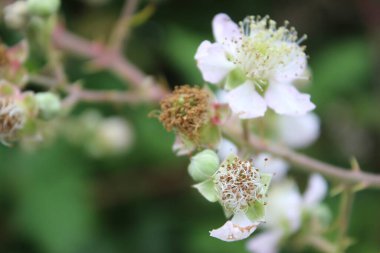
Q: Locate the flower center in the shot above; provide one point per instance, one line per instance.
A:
(238, 184)
(264, 48)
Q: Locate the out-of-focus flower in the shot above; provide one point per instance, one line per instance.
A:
(227, 148)
(16, 15)
(100, 137)
(258, 62)
(49, 105)
(298, 132)
(241, 190)
(113, 136)
(11, 63)
(272, 165)
(189, 113)
(286, 211)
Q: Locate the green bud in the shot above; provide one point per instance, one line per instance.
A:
(203, 165)
(43, 7)
(48, 104)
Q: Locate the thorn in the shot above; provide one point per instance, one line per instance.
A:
(359, 187)
(355, 165)
(337, 190)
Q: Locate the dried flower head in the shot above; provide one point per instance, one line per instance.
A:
(12, 119)
(239, 185)
(186, 110)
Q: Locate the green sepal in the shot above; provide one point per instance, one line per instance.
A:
(207, 189)
(235, 78)
(265, 180)
(256, 211)
(203, 165)
(209, 135)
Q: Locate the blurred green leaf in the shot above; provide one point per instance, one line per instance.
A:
(53, 204)
(339, 69)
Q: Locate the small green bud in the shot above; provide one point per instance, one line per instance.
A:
(43, 7)
(203, 165)
(48, 104)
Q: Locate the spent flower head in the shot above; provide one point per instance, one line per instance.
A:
(185, 110)
(189, 112)
(238, 184)
(12, 120)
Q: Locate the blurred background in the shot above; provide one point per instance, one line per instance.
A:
(59, 198)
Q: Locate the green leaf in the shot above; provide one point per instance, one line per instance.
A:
(339, 69)
(256, 211)
(207, 190)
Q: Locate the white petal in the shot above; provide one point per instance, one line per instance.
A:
(212, 61)
(224, 28)
(246, 102)
(315, 191)
(221, 96)
(298, 131)
(180, 148)
(284, 206)
(272, 165)
(295, 67)
(266, 242)
(238, 228)
(226, 148)
(286, 99)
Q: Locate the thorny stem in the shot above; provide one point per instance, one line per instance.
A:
(108, 59)
(307, 163)
(347, 199)
(122, 26)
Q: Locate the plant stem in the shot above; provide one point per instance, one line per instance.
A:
(344, 218)
(306, 163)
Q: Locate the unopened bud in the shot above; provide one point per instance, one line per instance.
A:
(43, 7)
(48, 104)
(203, 165)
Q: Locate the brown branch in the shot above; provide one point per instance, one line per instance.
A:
(122, 27)
(107, 59)
(309, 164)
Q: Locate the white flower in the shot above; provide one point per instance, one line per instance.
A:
(299, 131)
(226, 148)
(272, 165)
(258, 63)
(284, 212)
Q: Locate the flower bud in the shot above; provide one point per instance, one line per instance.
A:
(43, 7)
(16, 15)
(48, 104)
(203, 165)
(113, 136)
